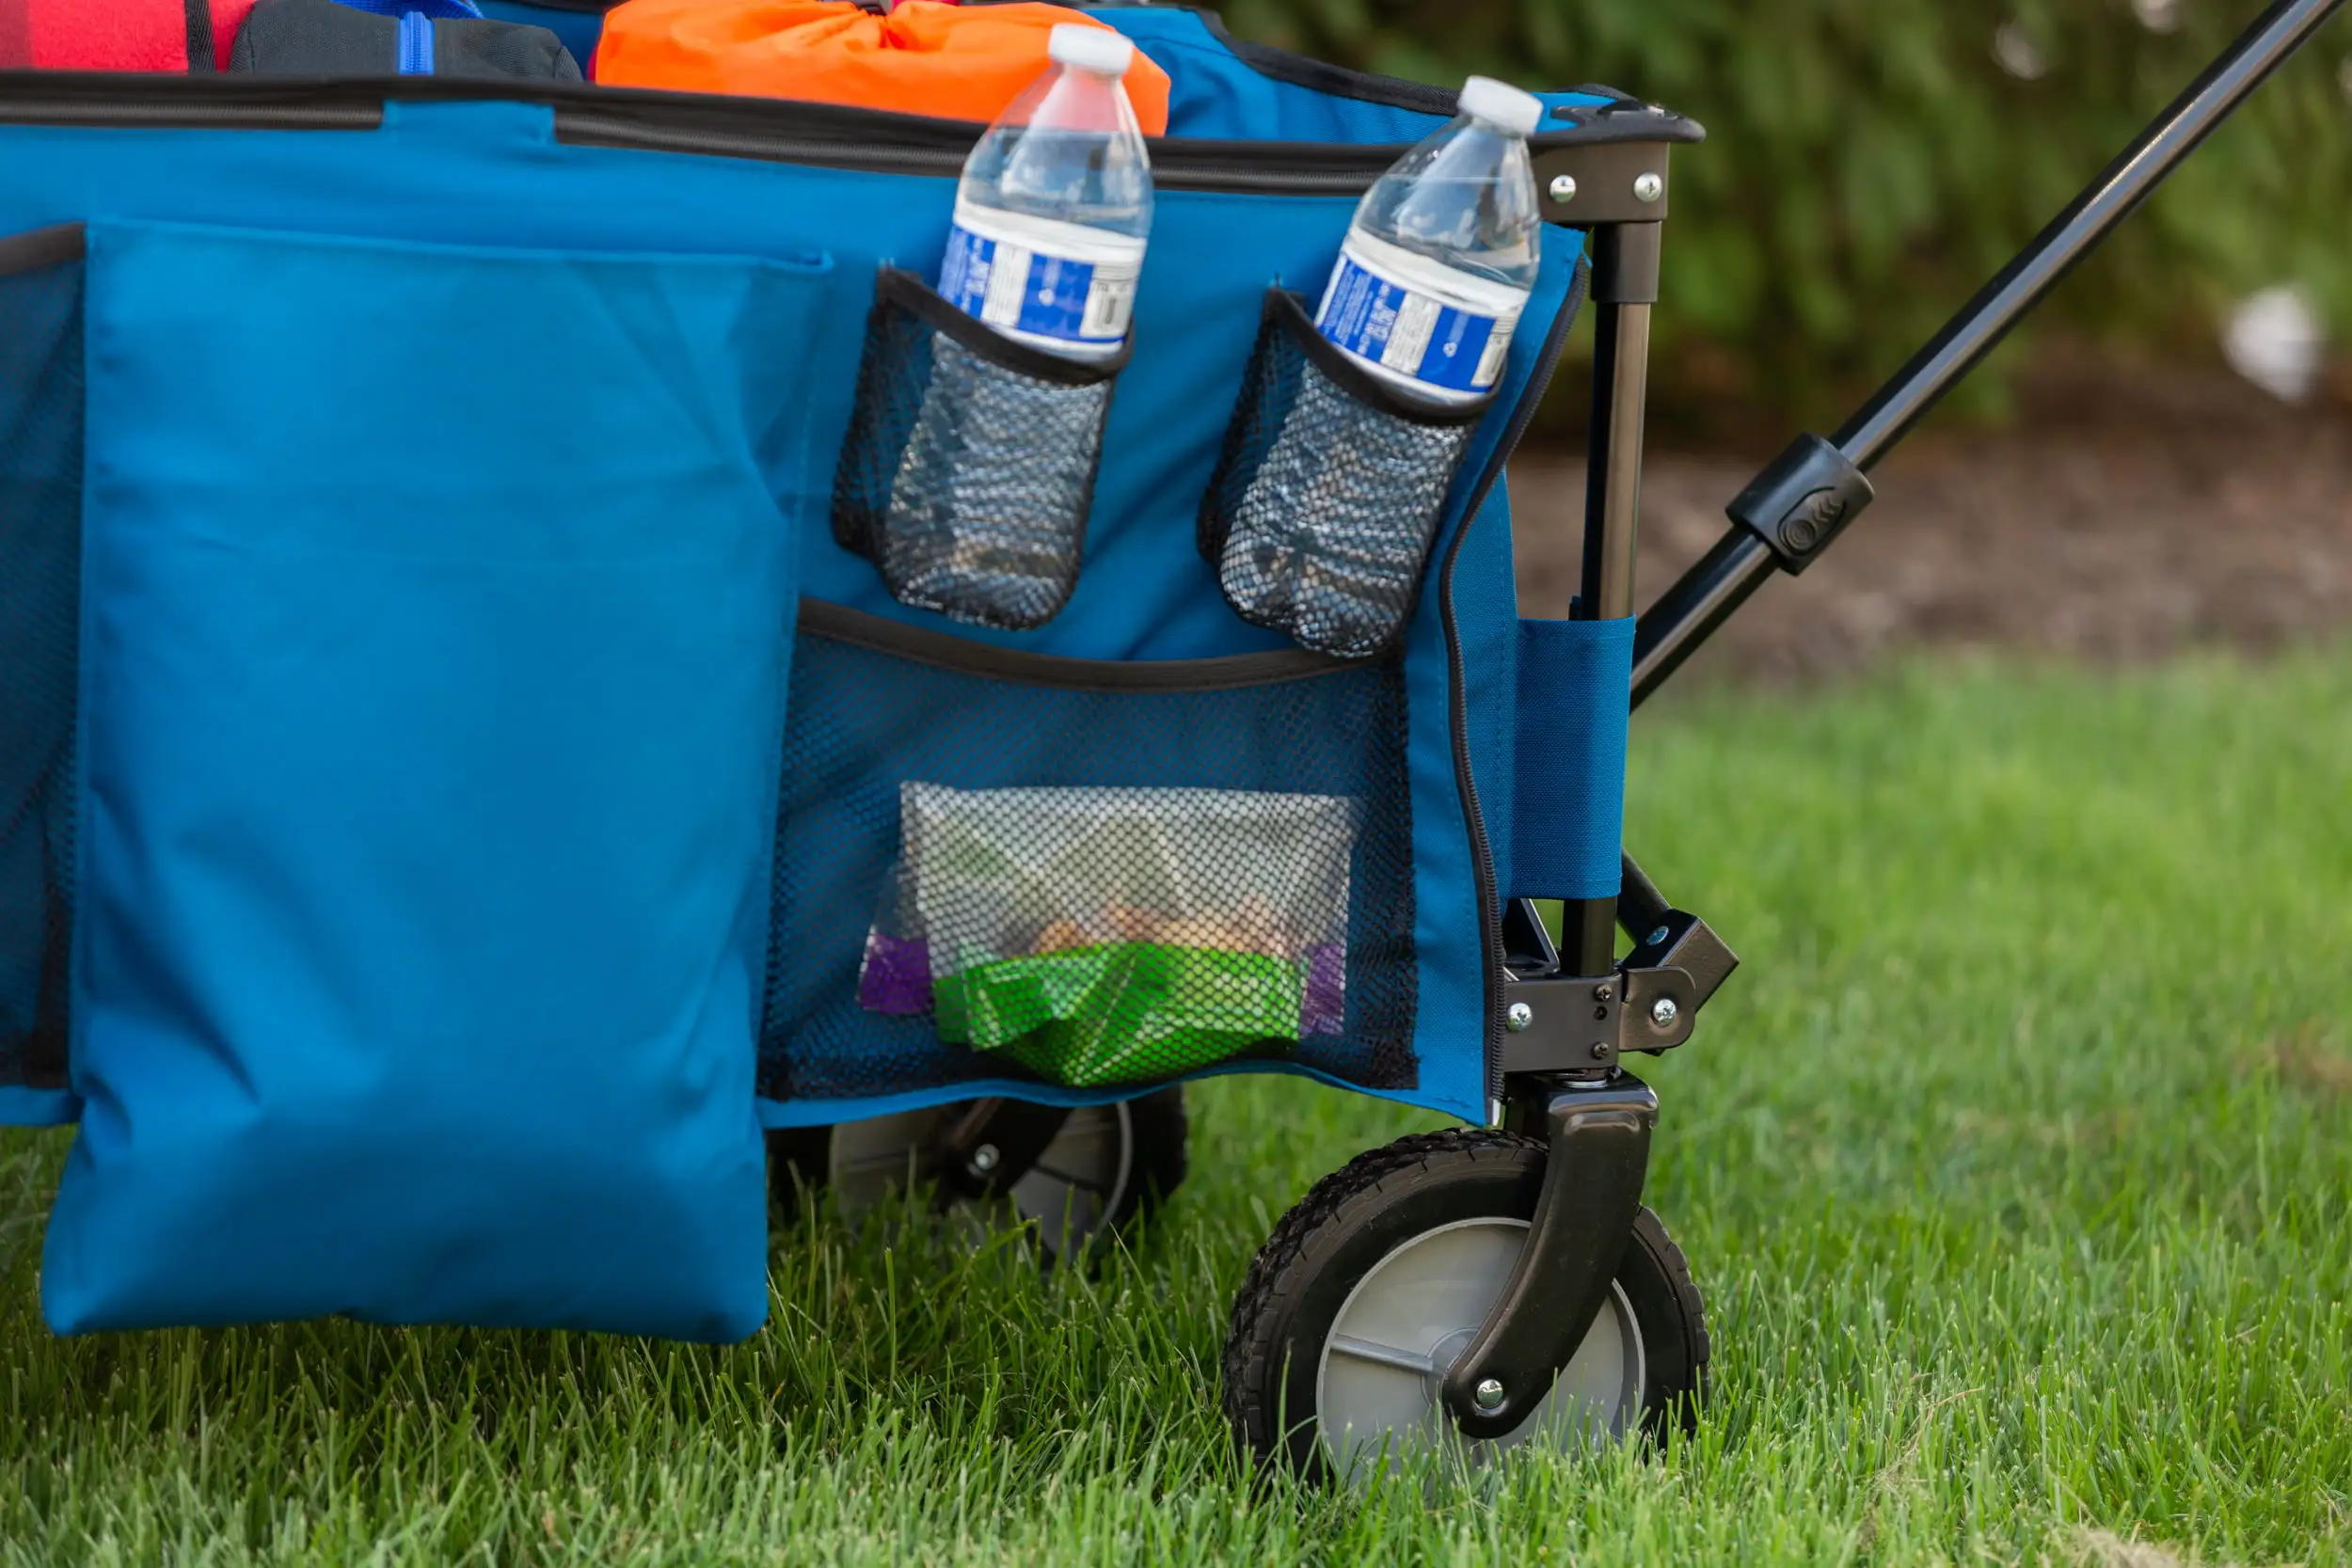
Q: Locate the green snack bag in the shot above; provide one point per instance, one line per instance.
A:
(1123, 1012)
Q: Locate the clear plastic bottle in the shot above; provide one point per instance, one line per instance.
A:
(1442, 254)
(1055, 205)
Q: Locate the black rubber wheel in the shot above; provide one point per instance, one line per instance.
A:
(1370, 1288)
(1109, 1166)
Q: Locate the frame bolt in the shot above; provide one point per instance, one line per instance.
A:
(1564, 188)
(1648, 187)
(1519, 1018)
(984, 1159)
(1662, 1012)
(1489, 1394)
(1603, 992)
(1600, 1051)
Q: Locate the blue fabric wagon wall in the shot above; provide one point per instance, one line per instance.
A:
(495, 173)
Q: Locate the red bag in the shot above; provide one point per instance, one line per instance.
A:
(923, 58)
(119, 35)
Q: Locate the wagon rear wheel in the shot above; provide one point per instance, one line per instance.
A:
(1106, 1168)
(1368, 1290)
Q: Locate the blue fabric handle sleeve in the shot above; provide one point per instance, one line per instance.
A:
(1568, 821)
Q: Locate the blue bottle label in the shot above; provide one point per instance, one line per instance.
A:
(1412, 333)
(1031, 291)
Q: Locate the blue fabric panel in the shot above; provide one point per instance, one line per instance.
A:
(1576, 680)
(491, 173)
(438, 9)
(1216, 95)
(577, 30)
(24, 1108)
(1486, 605)
(428, 782)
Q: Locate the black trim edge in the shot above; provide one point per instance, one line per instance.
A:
(919, 645)
(909, 293)
(1625, 118)
(1289, 311)
(37, 249)
(201, 49)
(1457, 703)
(715, 124)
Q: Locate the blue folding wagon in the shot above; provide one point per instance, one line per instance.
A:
(547, 683)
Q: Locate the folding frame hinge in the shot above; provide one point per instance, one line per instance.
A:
(1802, 501)
(1582, 1024)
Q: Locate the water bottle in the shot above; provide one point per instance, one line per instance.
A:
(1442, 254)
(1055, 204)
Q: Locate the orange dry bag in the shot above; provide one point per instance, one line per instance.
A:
(923, 58)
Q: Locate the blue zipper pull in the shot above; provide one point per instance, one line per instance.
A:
(416, 44)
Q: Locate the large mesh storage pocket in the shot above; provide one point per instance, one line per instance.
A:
(969, 465)
(998, 865)
(41, 528)
(1329, 492)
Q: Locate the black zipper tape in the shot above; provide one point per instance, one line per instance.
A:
(1473, 818)
(774, 129)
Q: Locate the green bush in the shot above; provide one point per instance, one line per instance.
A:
(1871, 163)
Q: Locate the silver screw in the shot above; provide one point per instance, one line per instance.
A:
(1489, 1394)
(984, 1159)
(1658, 936)
(1564, 188)
(1519, 1018)
(1602, 993)
(1648, 187)
(1662, 1012)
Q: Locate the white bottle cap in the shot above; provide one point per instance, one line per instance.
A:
(1496, 103)
(1099, 50)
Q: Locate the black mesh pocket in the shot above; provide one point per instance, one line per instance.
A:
(41, 527)
(1328, 493)
(970, 461)
(994, 864)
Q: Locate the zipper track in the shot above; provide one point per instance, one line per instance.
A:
(1173, 165)
(769, 129)
(1457, 703)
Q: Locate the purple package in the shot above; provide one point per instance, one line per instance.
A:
(1323, 1009)
(895, 977)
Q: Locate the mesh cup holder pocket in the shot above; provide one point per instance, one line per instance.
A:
(41, 532)
(1328, 492)
(969, 465)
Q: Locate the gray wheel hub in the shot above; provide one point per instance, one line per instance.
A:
(1077, 1183)
(1413, 1314)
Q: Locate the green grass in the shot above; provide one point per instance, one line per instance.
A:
(2014, 1166)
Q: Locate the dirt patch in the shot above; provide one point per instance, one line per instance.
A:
(2125, 516)
(2304, 1060)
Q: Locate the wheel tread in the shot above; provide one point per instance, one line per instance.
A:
(1272, 1289)
(1248, 1345)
